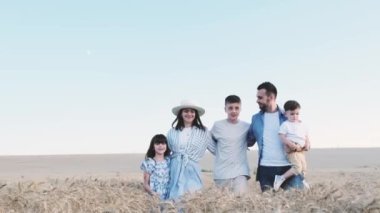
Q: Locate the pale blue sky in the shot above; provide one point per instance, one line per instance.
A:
(102, 76)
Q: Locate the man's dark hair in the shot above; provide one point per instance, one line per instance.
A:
(232, 99)
(291, 105)
(269, 87)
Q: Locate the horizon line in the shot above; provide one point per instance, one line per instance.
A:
(140, 153)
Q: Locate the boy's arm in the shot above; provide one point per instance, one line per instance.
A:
(307, 144)
(211, 146)
(288, 143)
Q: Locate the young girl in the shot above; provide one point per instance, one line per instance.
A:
(156, 167)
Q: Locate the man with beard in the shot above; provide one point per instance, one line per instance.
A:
(264, 130)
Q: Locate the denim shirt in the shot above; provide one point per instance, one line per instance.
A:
(256, 130)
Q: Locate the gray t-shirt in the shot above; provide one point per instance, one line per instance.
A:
(230, 149)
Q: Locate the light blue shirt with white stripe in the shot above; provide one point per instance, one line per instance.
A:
(185, 174)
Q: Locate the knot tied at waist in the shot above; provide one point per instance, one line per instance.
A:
(184, 157)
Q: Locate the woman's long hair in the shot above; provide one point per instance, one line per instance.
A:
(159, 138)
(181, 124)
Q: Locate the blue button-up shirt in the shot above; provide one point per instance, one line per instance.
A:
(256, 130)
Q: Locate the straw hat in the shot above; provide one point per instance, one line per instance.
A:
(185, 104)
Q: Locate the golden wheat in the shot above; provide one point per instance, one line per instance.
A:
(359, 192)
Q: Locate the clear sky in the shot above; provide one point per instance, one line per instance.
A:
(102, 76)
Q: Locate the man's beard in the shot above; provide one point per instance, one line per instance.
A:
(263, 107)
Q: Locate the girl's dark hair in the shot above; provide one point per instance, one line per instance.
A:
(181, 124)
(159, 138)
(291, 105)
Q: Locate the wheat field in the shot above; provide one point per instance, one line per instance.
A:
(331, 191)
(342, 180)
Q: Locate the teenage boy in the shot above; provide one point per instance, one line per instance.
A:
(231, 169)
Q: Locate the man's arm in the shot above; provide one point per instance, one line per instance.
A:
(251, 139)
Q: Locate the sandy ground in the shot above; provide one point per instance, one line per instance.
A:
(320, 161)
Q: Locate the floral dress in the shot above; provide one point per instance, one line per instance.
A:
(159, 175)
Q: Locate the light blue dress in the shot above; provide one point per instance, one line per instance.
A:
(159, 175)
(185, 174)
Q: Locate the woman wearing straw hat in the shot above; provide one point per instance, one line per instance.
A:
(188, 140)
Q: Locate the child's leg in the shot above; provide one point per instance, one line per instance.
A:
(296, 165)
(289, 173)
(303, 163)
(279, 179)
(304, 167)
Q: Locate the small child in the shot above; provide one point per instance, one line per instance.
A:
(294, 136)
(156, 167)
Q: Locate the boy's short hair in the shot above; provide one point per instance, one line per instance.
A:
(291, 105)
(269, 87)
(232, 99)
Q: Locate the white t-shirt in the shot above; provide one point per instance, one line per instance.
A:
(273, 149)
(184, 137)
(294, 131)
